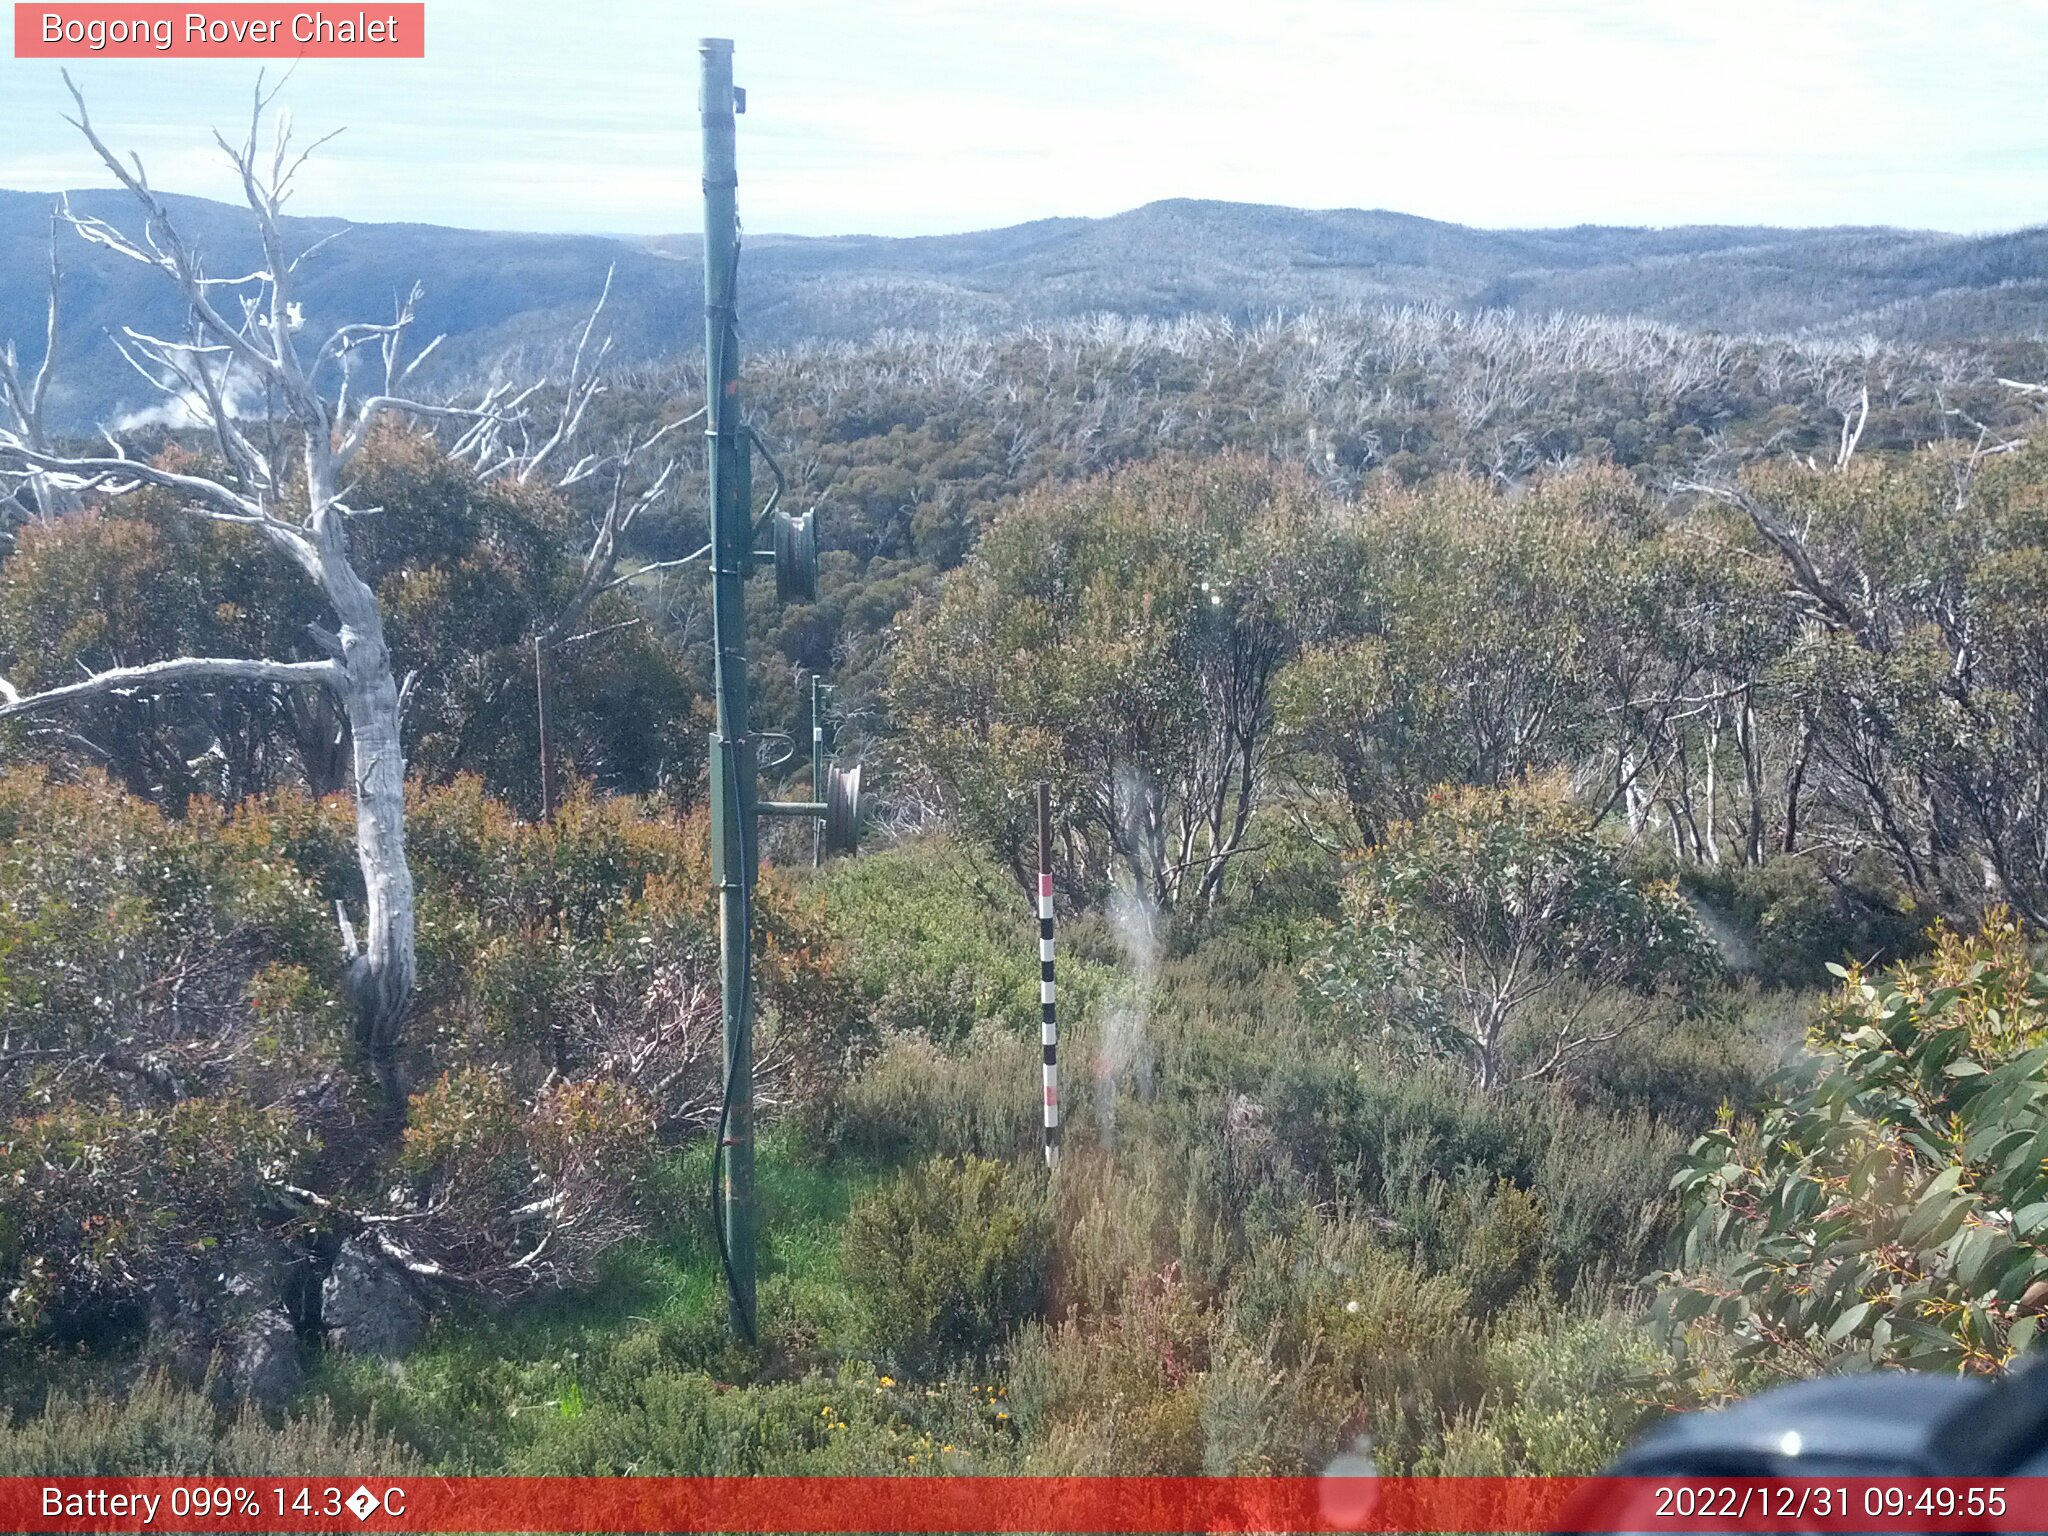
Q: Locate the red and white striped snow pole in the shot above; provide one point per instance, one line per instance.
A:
(1047, 993)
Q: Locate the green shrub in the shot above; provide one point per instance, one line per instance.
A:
(1281, 894)
(1380, 1339)
(1683, 1070)
(1481, 930)
(1398, 1140)
(949, 1258)
(157, 1429)
(1790, 922)
(857, 1422)
(1562, 1394)
(1121, 1391)
(939, 940)
(1502, 1252)
(1603, 1181)
(104, 1205)
(1123, 1218)
(918, 1099)
(1321, 1331)
(180, 1082)
(157, 1018)
(1892, 1205)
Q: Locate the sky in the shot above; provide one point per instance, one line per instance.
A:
(903, 117)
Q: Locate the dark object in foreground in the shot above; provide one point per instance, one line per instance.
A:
(1880, 1424)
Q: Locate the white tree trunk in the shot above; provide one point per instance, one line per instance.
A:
(380, 976)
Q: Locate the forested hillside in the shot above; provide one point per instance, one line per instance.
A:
(912, 443)
(500, 293)
(1507, 771)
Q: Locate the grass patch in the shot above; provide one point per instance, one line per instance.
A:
(487, 1382)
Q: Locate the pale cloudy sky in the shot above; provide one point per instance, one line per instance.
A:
(924, 116)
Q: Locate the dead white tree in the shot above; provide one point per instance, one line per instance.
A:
(24, 398)
(600, 575)
(501, 446)
(285, 476)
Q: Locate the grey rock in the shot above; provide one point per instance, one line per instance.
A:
(262, 1359)
(222, 1319)
(367, 1306)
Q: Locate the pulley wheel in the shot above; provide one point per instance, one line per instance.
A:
(842, 809)
(796, 557)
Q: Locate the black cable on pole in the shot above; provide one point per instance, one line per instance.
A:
(725, 1098)
(722, 306)
(732, 1284)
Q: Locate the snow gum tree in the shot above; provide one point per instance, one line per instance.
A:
(288, 417)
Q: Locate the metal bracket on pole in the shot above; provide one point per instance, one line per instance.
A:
(838, 814)
(842, 809)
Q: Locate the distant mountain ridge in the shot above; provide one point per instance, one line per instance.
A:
(494, 293)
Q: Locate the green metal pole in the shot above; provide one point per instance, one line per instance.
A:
(817, 737)
(820, 750)
(733, 848)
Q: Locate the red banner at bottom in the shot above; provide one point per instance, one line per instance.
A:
(1005, 1504)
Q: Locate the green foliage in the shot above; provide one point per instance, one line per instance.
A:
(917, 1099)
(155, 1017)
(1501, 1251)
(851, 1423)
(157, 1429)
(941, 951)
(103, 1204)
(1276, 1225)
(1418, 1147)
(176, 1109)
(573, 947)
(1922, 690)
(1563, 1392)
(1260, 1366)
(142, 580)
(1290, 1242)
(466, 574)
(1889, 1206)
(1467, 657)
(949, 1258)
(1120, 639)
(940, 940)
(1490, 899)
(1682, 1070)
(1793, 922)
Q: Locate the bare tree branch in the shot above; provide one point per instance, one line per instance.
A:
(155, 676)
(1788, 544)
(24, 399)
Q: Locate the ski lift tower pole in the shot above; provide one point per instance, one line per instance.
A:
(730, 445)
(733, 848)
